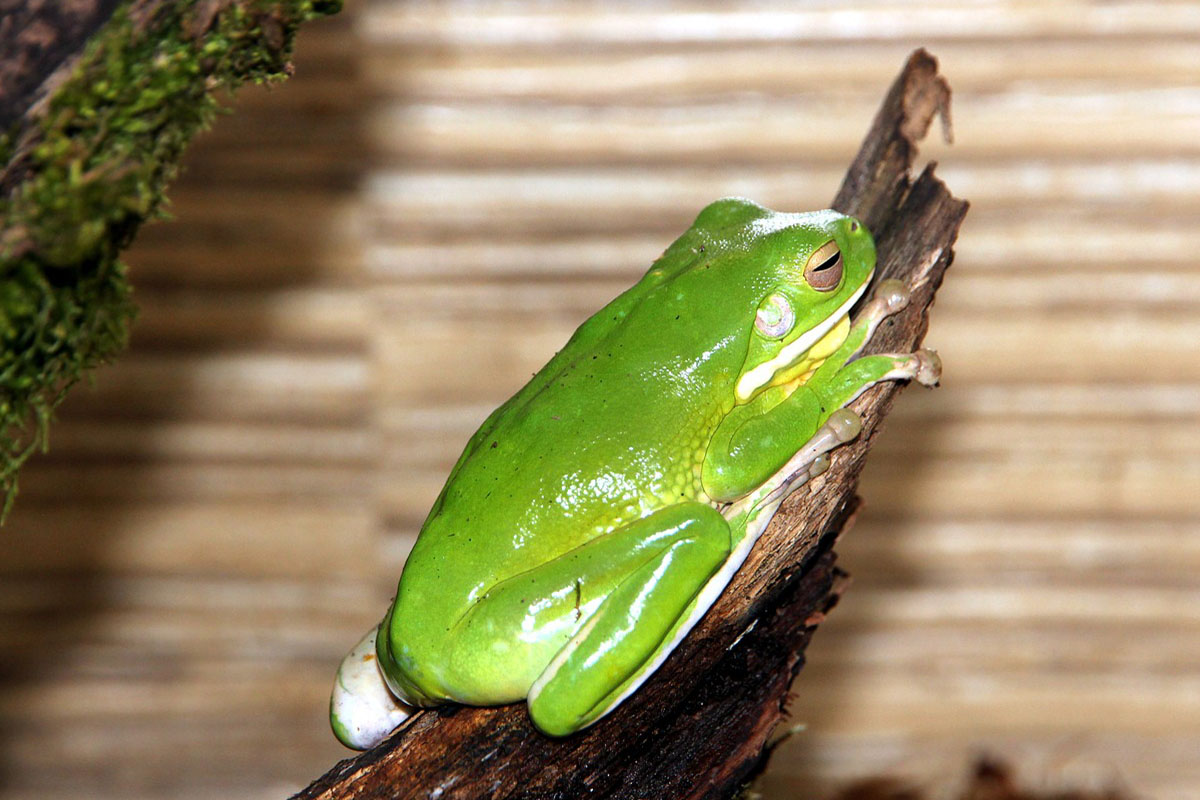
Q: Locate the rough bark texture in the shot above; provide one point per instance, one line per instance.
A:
(699, 727)
(36, 37)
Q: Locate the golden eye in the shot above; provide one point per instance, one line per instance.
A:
(775, 317)
(824, 268)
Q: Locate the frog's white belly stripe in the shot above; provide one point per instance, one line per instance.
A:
(707, 596)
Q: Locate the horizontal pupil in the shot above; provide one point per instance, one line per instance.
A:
(830, 262)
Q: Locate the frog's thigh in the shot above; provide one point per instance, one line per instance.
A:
(637, 623)
(503, 643)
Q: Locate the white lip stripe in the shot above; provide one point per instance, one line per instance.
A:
(759, 376)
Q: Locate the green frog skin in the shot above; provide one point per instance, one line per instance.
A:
(595, 516)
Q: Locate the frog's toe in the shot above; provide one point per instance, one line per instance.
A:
(892, 294)
(923, 366)
(843, 425)
(929, 367)
(362, 712)
(819, 466)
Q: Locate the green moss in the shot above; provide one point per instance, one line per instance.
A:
(105, 149)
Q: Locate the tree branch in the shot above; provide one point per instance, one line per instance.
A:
(699, 727)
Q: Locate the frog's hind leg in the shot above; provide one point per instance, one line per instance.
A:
(500, 646)
(638, 623)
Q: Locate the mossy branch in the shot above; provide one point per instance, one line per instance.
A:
(95, 128)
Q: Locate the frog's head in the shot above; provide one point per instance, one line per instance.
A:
(808, 270)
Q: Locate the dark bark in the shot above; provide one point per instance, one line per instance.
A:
(699, 727)
(36, 38)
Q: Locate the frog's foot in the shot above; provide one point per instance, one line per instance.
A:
(677, 573)
(923, 366)
(812, 459)
(362, 711)
(843, 425)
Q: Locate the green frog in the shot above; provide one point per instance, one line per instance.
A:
(594, 517)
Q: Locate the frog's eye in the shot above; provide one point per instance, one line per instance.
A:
(775, 317)
(824, 268)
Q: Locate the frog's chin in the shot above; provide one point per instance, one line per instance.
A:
(809, 350)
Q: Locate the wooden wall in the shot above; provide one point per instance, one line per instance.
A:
(367, 259)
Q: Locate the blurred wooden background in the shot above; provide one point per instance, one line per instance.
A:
(370, 257)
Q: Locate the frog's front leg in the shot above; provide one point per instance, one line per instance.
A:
(923, 366)
(759, 438)
(837, 382)
(619, 601)
(842, 377)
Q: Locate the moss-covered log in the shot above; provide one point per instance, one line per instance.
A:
(98, 100)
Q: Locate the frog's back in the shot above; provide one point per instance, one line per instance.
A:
(611, 429)
(558, 470)
(616, 424)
